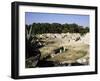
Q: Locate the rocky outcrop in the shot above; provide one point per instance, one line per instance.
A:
(67, 37)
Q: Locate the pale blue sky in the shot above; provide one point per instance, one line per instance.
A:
(31, 17)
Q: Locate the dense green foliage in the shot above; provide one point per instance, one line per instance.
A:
(39, 28)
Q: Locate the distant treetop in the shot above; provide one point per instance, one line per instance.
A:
(40, 28)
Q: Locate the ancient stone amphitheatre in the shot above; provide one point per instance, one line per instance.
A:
(65, 48)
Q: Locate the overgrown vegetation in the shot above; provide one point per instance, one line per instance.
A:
(40, 28)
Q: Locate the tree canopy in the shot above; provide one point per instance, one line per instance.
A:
(40, 28)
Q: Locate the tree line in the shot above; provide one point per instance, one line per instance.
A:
(40, 28)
